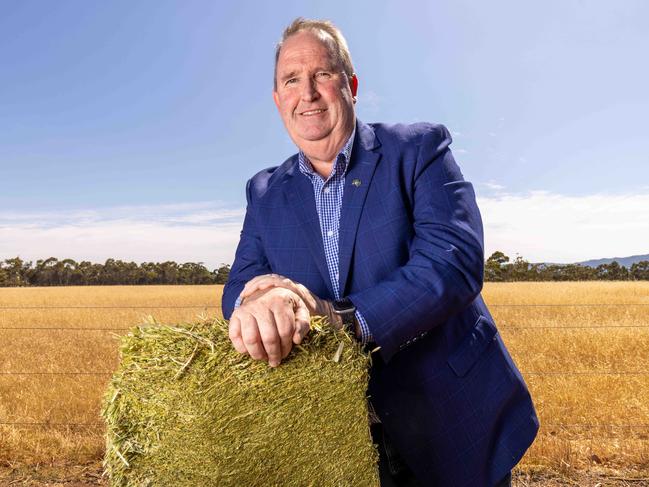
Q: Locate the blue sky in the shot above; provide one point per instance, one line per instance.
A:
(128, 129)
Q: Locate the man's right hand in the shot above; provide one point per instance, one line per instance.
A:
(268, 323)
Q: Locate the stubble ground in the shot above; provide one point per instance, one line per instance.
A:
(582, 348)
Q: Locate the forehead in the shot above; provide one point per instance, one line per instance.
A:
(304, 48)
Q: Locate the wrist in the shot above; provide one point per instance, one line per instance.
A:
(346, 312)
(334, 318)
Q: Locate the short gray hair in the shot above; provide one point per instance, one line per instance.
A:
(328, 33)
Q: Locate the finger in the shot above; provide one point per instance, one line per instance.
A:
(257, 279)
(285, 320)
(234, 332)
(251, 337)
(302, 321)
(286, 283)
(259, 286)
(251, 283)
(261, 282)
(270, 340)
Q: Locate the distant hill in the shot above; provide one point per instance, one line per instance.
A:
(623, 261)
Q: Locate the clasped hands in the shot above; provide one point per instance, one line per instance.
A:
(275, 313)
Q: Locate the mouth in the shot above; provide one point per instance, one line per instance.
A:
(310, 113)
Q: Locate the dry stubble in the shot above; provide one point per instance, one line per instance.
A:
(587, 368)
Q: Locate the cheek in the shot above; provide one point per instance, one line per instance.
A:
(285, 110)
(336, 99)
(289, 105)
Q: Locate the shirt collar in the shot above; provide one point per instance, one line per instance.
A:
(342, 159)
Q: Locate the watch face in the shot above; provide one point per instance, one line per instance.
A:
(344, 306)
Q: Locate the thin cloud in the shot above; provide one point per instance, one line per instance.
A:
(196, 232)
(178, 213)
(549, 227)
(493, 186)
(540, 226)
(370, 101)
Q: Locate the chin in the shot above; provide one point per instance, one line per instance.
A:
(312, 135)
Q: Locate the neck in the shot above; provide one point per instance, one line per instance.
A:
(322, 168)
(322, 154)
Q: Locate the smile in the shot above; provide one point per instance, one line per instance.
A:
(318, 111)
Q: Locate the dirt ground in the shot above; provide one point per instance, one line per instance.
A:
(91, 476)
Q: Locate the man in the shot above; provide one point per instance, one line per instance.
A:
(374, 226)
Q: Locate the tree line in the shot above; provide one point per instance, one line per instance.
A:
(499, 268)
(67, 272)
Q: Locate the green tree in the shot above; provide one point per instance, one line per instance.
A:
(221, 274)
(520, 270)
(640, 271)
(612, 272)
(495, 267)
(194, 273)
(149, 273)
(169, 272)
(17, 272)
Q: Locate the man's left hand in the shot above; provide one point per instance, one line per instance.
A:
(317, 306)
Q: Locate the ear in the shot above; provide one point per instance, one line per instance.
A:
(353, 84)
(276, 98)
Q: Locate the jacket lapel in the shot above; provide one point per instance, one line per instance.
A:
(299, 194)
(357, 183)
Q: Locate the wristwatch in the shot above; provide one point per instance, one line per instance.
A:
(347, 311)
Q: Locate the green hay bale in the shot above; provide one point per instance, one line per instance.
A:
(185, 408)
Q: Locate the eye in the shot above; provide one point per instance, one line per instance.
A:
(323, 75)
(290, 81)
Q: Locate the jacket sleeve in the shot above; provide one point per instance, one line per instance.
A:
(249, 261)
(444, 271)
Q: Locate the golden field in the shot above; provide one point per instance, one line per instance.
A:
(582, 347)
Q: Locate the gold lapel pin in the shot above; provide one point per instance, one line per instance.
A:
(356, 182)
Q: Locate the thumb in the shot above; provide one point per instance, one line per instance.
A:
(302, 322)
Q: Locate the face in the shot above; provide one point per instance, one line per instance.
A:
(313, 95)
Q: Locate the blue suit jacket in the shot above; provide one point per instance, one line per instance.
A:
(411, 260)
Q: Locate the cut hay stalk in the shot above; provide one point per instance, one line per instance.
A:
(121, 457)
(186, 364)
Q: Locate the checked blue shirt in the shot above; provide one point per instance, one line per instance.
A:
(328, 201)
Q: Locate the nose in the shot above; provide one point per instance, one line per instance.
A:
(309, 90)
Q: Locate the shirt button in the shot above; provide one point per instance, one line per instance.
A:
(330, 233)
(326, 190)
